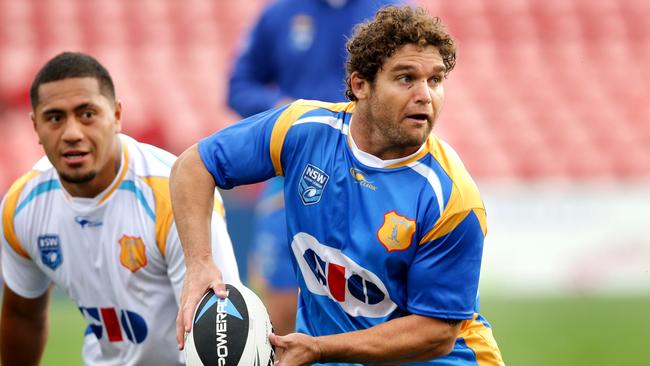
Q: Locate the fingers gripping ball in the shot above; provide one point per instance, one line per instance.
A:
(231, 331)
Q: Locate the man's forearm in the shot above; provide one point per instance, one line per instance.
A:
(407, 339)
(192, 194)
(23, 329)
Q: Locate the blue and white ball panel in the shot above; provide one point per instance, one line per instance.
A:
(230, 331)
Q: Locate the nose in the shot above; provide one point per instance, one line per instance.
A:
(422, 92)
(72, 131)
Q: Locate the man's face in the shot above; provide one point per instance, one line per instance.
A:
(407, 96)
(77, 126)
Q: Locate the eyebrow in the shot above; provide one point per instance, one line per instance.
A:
(405, 67)
(59, 110)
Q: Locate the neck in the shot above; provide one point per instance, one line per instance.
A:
(369, 138)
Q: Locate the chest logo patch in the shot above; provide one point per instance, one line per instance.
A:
(360, 179)
(132, 253)
(50, 247)
(396, 233)
(312, 184)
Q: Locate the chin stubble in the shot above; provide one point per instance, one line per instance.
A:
(78, 179)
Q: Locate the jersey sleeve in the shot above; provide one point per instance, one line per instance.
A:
(241, 153)
(21, 274)
(222, 252)
(443, 278)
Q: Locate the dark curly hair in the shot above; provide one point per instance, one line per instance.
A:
(393, 27)
(72, 65)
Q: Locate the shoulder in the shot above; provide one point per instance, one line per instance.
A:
(147, 160)
(303, 116)
(21, 194)
(464, 189)
(151, 165)
(38, 181)
(305, 121)
(313, 111)
(456, 194)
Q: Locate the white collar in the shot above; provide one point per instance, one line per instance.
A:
(373, 161)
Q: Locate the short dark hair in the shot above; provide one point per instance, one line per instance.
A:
(393, 27)
(72, 65)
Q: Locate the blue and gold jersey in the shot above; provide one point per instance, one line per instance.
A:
(372, 240)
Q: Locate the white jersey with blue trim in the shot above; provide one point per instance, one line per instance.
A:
(372, 240)
(117, 256)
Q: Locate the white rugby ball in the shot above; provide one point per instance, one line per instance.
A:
(233, 331)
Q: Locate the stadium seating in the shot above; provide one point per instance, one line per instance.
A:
(554, 89)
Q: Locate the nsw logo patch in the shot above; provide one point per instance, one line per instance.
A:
(312, 184)
(50, 247)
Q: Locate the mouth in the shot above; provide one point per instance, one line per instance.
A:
(421, 118)
(74, 157)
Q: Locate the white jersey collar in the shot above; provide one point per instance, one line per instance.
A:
(373, 161)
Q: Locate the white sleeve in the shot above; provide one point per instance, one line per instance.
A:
(175, 261)
(21, 274)
(222, 250)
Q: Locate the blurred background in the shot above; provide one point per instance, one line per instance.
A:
(549, 107)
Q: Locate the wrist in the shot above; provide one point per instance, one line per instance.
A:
(199, 262)
(318, 350)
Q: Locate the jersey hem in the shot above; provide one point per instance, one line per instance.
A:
(442, 315)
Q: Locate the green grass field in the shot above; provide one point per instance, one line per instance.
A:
(531, 332)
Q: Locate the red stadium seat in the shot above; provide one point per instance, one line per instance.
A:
(555, 88)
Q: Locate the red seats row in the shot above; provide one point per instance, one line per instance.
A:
(550, 89)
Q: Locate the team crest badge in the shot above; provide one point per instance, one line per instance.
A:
(132, 253)
(312, 184)
(396, 233)
(50, 247)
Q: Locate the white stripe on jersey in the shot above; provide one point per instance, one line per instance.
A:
(433, 180)
(328, 120)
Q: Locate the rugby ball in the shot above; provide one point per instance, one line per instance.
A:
(231, 331)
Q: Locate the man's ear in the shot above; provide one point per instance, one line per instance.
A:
(360, 87)
(32, 116)
(118, 116)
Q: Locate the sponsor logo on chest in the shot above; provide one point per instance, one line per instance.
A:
(329, 272)
(312, 184)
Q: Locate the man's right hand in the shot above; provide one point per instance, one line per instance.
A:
(199, 278)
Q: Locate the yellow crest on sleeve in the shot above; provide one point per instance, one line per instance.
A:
(132, 253)
(396, 233)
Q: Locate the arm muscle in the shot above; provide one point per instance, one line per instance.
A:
(23, 328)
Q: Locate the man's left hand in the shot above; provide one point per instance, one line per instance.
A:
(295, 349)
